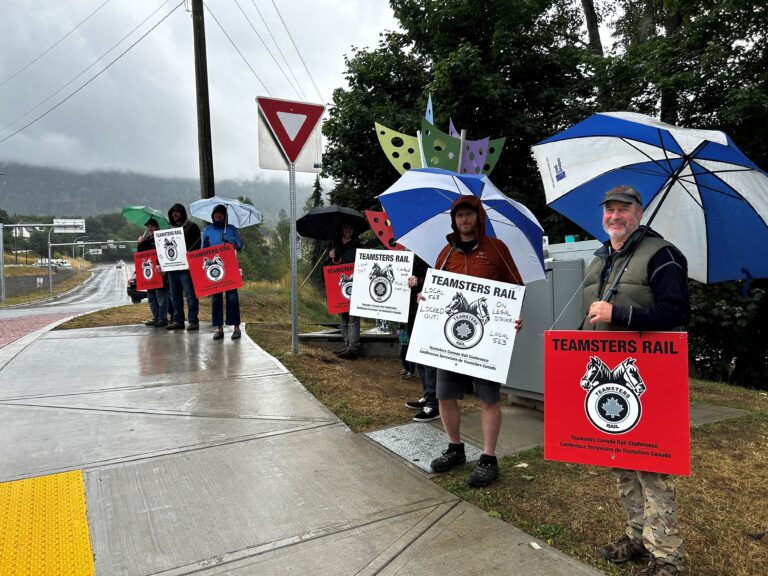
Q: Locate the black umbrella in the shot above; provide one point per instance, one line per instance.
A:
(325, 222)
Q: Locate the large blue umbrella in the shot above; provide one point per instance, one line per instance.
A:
(419, 208)
(715, 200)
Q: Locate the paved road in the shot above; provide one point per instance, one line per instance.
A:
(105, 289)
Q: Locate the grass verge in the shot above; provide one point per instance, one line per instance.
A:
(723, 504)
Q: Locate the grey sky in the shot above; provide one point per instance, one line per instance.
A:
(140, 114)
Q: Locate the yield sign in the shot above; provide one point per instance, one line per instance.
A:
(291, 123)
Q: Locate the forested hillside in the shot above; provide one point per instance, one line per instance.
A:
(26, 189)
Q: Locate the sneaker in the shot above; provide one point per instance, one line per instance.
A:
(193, 326)
(407, 376)
(236, 335)
(348, 354)
(624, 549)
(427, 415)
(175, 326)
(149, 323)
(416, 404)
(403, 372)
(218, 335)
(486, 471)
(452, 457)
(657, 567)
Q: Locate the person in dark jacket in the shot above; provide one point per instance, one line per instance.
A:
(157, 298)
(181, 280)
(216, 233)
(427, 405)
(342, 250)
(651, 294)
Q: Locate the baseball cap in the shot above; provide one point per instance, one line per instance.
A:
(623, 194)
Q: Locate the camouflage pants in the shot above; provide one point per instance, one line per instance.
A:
(649, 501)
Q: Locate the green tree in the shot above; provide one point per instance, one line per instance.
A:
(313, 250)
(496, 67)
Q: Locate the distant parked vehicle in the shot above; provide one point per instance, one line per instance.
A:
(135, 295)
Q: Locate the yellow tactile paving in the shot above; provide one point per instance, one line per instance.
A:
(44, 527)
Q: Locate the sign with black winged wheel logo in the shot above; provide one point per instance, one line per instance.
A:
(147, 276)
(171, 249)
(466, 324)
(338, 287)
(617, 399)
(382, 291)
(214, 270)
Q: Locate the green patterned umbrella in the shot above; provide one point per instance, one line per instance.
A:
(140, 214)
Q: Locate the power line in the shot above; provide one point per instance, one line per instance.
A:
(84, 70)
(269, 51)
(298, 52)
(99, 73)
(52, 46)
(285, 60)
(237, 49)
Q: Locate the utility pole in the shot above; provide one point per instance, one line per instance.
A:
(203, 110)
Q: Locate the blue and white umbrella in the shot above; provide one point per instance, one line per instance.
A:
(239, 214)
(715, 200)
(419, 207)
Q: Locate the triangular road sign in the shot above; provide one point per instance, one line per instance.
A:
(291, 123)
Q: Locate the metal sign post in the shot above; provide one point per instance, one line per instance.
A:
(294, 262)
(291, 125)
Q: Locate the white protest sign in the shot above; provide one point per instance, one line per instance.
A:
(380, 289)
(171, 249)
(466, 325)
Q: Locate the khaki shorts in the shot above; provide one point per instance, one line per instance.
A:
(453, 386)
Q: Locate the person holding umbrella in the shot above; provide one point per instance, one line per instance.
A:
(469, 251)
(342, 250)
(216, 233)
(638, 281)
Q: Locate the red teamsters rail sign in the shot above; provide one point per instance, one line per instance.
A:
(617, 399)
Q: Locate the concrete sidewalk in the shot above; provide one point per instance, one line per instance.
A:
(203, 457)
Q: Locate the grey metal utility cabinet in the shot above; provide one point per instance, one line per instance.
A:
(559, 297)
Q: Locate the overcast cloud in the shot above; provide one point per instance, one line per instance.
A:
(140, 114)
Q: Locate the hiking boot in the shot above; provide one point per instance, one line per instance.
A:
(624, 549)
(347, 354)
(416, 404)
(175, 326)
(427, 415)
(236, 335)
(218, 335)
(486, 471)
(657, 567)
(452, 457)
(149, 323)
(193, 326)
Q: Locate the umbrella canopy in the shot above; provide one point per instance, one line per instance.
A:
(238, 214)
(324, 222)
(140, 214)
(715, 200)
(419, 207)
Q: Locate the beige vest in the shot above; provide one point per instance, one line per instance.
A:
(633, 289)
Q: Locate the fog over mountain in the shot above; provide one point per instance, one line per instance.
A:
(40, 190)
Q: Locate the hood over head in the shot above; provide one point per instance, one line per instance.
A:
(182, 211)
(473, 203)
